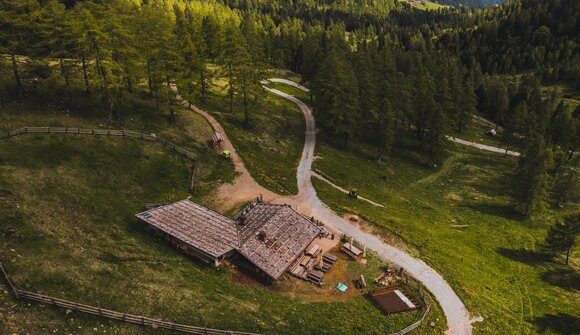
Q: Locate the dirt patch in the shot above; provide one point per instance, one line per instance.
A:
(345, 271)
(453, 196)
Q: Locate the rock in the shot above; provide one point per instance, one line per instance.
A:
(354, 218)
(432, 324)
(68, 311)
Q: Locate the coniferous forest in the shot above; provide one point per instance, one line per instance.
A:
(381, 71)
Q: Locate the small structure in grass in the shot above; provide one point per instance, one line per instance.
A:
(341, 287)
(392, 300)
(354, 251)
(218, 140)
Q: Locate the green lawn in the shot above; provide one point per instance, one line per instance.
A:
(300, 94)
(67, 227)
(460, 220)
(425, 5)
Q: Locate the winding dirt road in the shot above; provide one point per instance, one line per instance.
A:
(245, 188)
(308, 203)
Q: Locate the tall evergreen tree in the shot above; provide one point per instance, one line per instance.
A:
(561, 237)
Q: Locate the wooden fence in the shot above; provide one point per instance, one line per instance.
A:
(150, 322)
(113, 315)
(105, 132)
(417, 324)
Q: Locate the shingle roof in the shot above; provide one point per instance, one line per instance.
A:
(195, 225)
(287, 234)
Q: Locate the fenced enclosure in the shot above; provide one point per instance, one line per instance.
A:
(106, 132)
(109, 314)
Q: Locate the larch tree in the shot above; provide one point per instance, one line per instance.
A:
(561, 237)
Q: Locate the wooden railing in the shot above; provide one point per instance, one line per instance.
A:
(105, 132)
(113, 315)
(417, 324)
(108, 132)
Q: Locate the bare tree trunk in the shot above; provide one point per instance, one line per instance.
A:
(149, 80)
(568, 256)
(231, 91)
(202, 82)
(19, 86)
(246, 113)
(156, 94)
(85, 75)
(106, 94)
(169, 94)
(66, 81)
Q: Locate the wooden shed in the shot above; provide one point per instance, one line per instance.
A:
(270, 237)
(217, 140)
(392, 300)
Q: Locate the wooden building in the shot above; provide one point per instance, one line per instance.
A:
(393, 300)
(194, 229)
(270, 237)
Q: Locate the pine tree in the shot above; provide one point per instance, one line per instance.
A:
(468, 104)
(385, 129)
(57, 39)
(561, 237)
(335, 98)
(532, 172)
(17, 33)
(233, 56)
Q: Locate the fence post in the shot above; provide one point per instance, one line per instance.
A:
(192, 179)
(11, 288)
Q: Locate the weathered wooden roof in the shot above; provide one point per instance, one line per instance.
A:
(287, 234)
(195, 225)
(271, 236)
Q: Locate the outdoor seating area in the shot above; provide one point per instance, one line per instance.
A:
(313, 265)
(354, 251)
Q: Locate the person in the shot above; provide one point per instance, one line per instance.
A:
(353, 194)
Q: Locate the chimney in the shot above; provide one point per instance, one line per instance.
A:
(262, 236)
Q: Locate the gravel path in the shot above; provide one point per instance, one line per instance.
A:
(359, 197)
(483, 146)
(308, 202)
(288, 82)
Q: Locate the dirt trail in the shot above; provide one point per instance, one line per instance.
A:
(244, 187)
(307, 202)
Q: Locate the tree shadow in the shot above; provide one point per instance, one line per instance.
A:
(568, 279)
(559, 324)
(530, 257)
(505, 211)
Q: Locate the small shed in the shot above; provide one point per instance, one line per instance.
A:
(217, 140)
(491, 132)
(392, 300)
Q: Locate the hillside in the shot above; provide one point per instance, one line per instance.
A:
(460, 126)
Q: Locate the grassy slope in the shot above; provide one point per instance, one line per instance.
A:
(92, 250)
(67, 229)
(272, 145)
(489, 262)
(425, 5)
